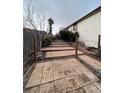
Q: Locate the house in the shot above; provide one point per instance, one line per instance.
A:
(89, 28)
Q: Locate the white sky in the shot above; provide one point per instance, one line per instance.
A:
(63, 12)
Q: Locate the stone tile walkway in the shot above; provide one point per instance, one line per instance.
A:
(62, 76)
(65, 75)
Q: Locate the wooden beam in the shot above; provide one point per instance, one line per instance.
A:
(76, 47)
(34, 48)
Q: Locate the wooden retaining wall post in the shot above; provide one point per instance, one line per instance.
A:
(99, 41)
(35, 49)
(76, 47)
(99, 46)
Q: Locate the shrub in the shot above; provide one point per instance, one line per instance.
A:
(68, 35)
(46, 41)
(57, 36)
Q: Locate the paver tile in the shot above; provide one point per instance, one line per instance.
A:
(33, 81)
(98, 85)
(47, 88)
(35, 78)
(32, 90)
(67, 70)
(58, 74)
(73, 83)
(61, 84)
(79, 90)
(47, 67)
(56, 65)
(47, 77)
(39, 65)
(83, 70)
(83, 79)
(91, 89)
(63, 91)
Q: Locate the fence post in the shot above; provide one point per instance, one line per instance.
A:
(99, 41)
(99, 47)
(70, 40)
(76, 47)
(34, 45)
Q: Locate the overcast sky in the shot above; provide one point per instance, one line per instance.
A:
(64, 12)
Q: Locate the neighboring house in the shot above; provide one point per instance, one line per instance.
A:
(89, 28)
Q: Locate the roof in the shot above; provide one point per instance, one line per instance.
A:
(86, 16)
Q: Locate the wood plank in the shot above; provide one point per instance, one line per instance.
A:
(91, 89)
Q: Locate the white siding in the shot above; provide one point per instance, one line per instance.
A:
(89, 29)
(70, 28)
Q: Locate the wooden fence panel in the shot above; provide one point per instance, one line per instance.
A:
(31, 44)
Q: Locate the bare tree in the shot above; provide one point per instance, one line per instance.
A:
(33, 19)
(28, 20)
(41, 18)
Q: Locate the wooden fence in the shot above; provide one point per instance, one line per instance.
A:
(31, 44)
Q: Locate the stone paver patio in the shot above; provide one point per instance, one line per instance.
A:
(65, 75)
(62, 76)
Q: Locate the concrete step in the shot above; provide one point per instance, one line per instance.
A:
(56, 54)
(58, 45)
(57, 49)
